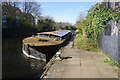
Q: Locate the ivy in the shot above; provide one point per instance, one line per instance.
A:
(98, 16)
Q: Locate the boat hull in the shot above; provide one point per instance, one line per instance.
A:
(44, 53)
(39, 56)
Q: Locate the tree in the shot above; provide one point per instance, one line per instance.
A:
(82, 15)
(46, 24)
(81, 23)
(63, 25)
(11, 3)
(31, 8)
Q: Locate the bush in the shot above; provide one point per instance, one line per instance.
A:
(94, 24)
(85, 43)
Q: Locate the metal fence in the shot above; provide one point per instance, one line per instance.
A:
(110, 43)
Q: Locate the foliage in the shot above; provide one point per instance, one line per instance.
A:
(97, 18)
(45, 24)
(48, 24)
(17, 22)
(85, 43)
(93, 25)
(31, 8)
(111, 61)
(81, 26)
(64, 25)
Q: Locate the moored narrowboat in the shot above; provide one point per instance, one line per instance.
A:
(44, 44)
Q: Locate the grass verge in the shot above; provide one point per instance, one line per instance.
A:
(110, 61)
(85, 43)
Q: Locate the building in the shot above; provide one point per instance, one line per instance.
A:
(114, 6)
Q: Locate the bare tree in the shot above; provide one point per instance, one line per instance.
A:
(82, 15)
(31, 8)
(11, 3)
(15, 4)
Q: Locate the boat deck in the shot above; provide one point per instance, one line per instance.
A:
(47, 38)
(41, 41)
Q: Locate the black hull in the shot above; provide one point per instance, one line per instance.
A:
(45, 52)
(49, 51)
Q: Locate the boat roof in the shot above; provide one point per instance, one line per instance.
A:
(41, 41)
(59, 33)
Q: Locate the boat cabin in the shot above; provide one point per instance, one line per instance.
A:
(47, 38)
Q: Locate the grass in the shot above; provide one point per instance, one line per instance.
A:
(85, 43)
(110, 61)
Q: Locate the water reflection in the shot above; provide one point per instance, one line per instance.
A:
(16, 65)
(34, 63)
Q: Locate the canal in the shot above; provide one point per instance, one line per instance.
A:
(15, 64)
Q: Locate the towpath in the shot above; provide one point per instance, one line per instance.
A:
(78, 63)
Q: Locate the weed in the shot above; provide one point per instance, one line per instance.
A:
(111, 61)
(85, 43)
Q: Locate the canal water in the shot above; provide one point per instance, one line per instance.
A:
(15, 64)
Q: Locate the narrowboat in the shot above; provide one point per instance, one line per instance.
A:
(45, 44)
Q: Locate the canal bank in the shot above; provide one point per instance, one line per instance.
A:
(78, 63)
(16, 65)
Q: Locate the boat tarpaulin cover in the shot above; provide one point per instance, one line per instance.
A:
(57, 33)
